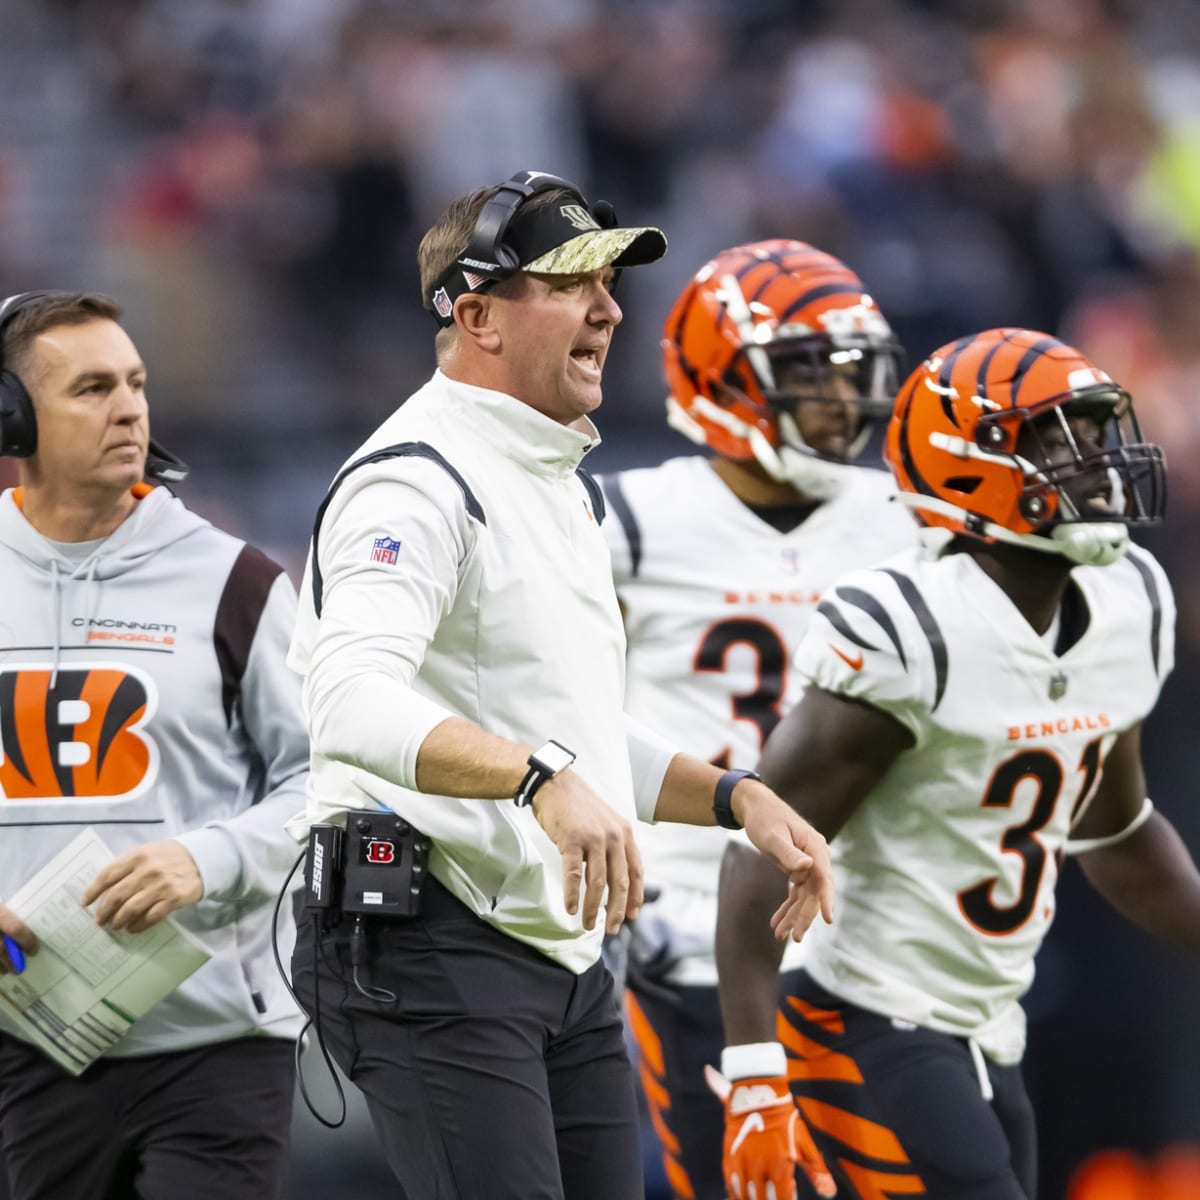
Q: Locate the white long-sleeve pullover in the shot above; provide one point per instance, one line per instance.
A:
(491, 600)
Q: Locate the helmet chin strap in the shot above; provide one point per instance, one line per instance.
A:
(819, 478)
(1090, 544)
(807, 472)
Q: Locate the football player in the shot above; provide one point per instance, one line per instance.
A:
(780, 364)
(973, 714)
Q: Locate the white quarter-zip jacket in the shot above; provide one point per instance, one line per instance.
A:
(144, 691)
(487, 597)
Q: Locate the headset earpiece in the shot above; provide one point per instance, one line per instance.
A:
(507, 260)
(18, 424)
(487, 259)
(18, 428)
(486, 254)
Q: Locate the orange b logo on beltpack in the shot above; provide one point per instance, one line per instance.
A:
(81, 739)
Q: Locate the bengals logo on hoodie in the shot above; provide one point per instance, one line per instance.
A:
(75, 736)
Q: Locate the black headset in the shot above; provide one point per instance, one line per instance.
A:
(488, 258)
(18, 422)
(486, 253)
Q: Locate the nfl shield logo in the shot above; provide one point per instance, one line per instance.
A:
(1058, 685)
(385, 550)
(441, 303)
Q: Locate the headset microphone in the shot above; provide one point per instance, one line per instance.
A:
(162, 464)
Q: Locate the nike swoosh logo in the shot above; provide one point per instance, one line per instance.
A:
(752, 1124)
(855, 664)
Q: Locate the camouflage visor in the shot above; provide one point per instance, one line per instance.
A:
(562, 239)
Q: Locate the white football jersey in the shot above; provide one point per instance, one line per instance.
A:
(715, 602)
(948, 868)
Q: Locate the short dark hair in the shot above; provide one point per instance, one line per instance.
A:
(47, 312)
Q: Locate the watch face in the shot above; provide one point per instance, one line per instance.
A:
(552, 758)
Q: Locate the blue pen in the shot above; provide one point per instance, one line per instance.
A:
(15, 955)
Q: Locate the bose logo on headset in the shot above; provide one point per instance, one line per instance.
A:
(18, 421)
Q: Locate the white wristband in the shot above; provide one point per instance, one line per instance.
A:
(753, 1060)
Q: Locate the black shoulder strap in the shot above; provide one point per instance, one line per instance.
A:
(633, 532)
(400, 450)
(595, 494)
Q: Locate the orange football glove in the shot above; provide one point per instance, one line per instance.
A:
(765, 1139)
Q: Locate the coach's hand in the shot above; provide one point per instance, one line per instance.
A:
(143, 886)
(789, 841)
(15, 928)
(597, 848)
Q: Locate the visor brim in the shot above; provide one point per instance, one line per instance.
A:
(599, 248)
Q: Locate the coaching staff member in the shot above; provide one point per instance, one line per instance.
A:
(143, 691)
(468, 652)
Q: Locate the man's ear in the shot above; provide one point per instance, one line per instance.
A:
(475, 316)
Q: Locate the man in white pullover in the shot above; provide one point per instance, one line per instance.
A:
(464, 650)
(143, 692)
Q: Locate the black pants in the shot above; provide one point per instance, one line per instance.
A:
(196, 1125)
(495, 1074)
(898, 1109)
(678, 1030)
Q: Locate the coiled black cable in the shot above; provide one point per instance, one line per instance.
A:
(315, 1019)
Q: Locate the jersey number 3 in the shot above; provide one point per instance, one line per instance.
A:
(760, 706)
(1046, 770)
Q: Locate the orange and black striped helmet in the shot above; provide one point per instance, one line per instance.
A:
(984, 440)
(748, 314)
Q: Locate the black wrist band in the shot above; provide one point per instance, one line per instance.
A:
(723, 797)
(544, 764)
(529, 787)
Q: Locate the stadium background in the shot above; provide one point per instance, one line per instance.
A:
(250, 178)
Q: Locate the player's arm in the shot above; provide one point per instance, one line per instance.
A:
(824, 758)
(1134, 857)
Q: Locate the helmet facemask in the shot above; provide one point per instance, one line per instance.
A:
(823, 395)
(1088, 473)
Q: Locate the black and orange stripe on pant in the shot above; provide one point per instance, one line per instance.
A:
(678, 1030)
(898, 1110)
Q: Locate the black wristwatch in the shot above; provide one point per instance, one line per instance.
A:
(544, 763)
(723, 797)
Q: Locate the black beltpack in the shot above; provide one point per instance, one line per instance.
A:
(376, 866)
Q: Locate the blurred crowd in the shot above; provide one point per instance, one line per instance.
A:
(250, 178)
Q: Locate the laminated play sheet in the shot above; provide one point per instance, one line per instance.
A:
(86, 986)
